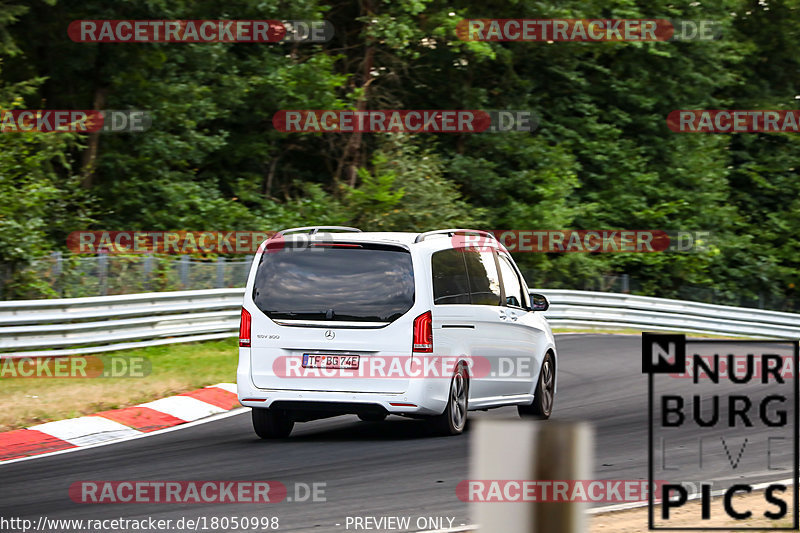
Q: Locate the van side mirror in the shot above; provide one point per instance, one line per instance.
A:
(539, 302)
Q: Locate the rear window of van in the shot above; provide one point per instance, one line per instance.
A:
(335, 282)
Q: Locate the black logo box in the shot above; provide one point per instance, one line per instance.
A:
(675, 345)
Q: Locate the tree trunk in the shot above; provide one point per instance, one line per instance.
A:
(90, 154)
(351, 155)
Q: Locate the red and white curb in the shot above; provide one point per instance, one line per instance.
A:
(118, 424)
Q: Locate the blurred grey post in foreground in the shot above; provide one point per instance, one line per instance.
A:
(527, 450)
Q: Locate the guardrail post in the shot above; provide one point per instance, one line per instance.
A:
(183, 270)
(57, 269)
(220, 272)
(147, 267)
(102, 272)
(511, 450)
(57, 264)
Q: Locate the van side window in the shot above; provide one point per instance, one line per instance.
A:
(484, 282)
(450, 283)
(511, 284)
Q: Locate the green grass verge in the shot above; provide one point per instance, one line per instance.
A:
(175, 368)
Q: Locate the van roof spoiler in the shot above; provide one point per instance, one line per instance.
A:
(312, 230)
(450, 232)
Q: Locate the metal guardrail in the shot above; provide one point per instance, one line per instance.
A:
(72, 326)
(585, 309)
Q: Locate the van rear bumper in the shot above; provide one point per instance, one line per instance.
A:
(335, 402)
(424, 396)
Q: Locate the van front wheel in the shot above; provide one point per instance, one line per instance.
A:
(270, 424)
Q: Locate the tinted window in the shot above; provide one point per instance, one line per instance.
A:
(450, 284)
(484, 282)
(358, 283)
(511, 284)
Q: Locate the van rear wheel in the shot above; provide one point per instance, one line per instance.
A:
(542, 406)
(270, 424)
(454, 418)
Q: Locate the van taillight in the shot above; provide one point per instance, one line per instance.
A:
(244, 329)
(423, 333)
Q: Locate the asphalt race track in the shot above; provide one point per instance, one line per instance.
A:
(378, 469)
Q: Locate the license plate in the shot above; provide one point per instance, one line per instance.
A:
(317, 360)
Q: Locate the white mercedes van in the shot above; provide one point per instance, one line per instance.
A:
(432, 325)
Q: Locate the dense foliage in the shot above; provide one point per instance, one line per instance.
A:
(602, 157)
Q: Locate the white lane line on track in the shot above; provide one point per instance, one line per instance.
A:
(86, 430)
(212, 418)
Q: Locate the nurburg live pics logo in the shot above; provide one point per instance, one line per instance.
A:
(732, 426)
